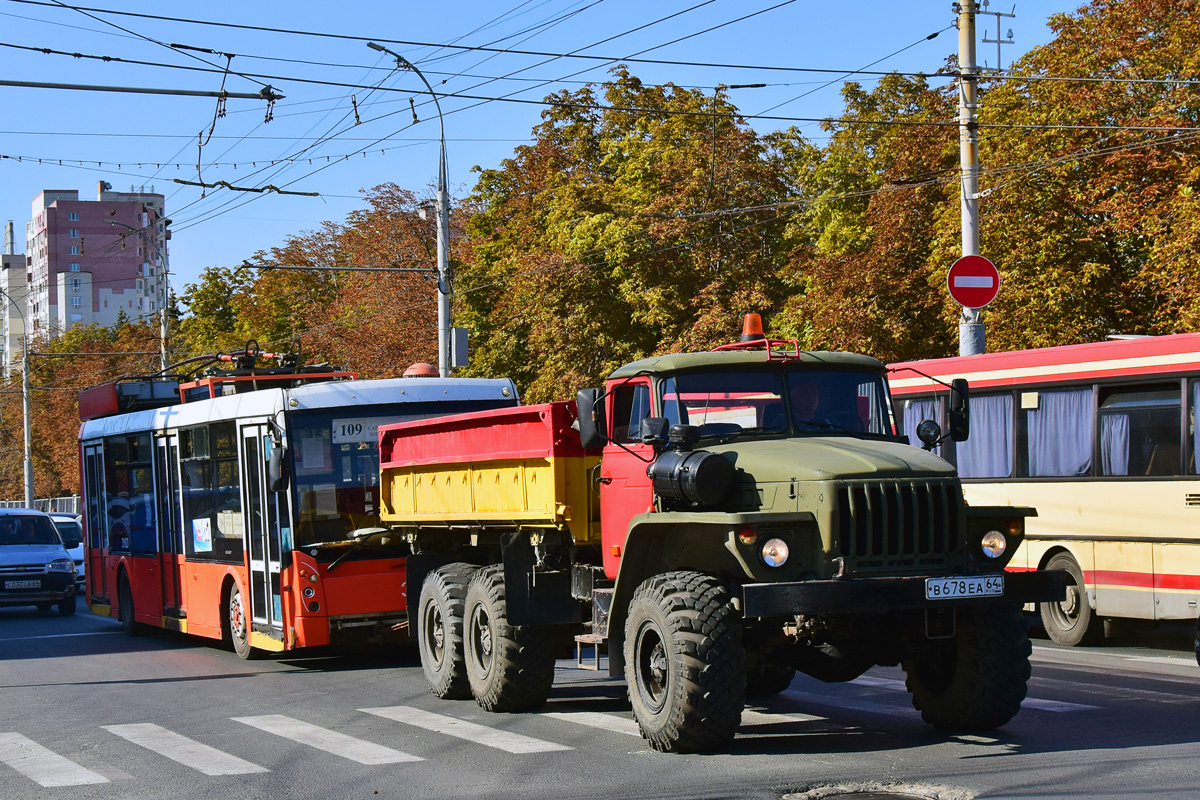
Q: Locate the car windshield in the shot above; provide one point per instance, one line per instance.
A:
(27, 529)
(802, 401)
(68, 528)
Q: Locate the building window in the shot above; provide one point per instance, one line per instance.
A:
(74, 250)
(139, 286)
(75, 284)
(151, 305)
(73, 216)
(73, 233)
(76, 302)
(73, 266)
(77, 318)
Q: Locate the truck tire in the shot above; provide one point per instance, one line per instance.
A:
(1071, 621)
(768, 680)
(685, 663)
(440, 630)
(977, 680)
(509, 667)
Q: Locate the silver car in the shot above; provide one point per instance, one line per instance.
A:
(35, 568)
(71, 529)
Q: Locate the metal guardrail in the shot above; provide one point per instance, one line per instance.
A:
(66, 505)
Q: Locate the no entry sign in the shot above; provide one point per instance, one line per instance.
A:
(973, 281)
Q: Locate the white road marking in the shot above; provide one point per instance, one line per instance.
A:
(751, 718)
(177, 747)
(480, 734)
(59, 636)
(596, 719)
(43, 766)
(850, 704)
(330, 741)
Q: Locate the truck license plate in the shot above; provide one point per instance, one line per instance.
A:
(22, 584)
(972, 586)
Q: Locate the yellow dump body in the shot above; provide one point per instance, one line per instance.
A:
(502, 468)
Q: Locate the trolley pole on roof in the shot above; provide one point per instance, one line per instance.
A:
(443, 219)
(970, 323)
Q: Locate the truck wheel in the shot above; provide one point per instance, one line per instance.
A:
(977, 680)
(684, 662)
(768, 680)
(509, 667)
(1071, 621)
(440, 630)
(238, 625)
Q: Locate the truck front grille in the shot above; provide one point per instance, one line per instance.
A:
(898, 523)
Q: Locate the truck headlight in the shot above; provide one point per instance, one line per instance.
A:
(775, 552)
(993, 544)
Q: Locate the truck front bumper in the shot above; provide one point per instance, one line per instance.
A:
(881, 595)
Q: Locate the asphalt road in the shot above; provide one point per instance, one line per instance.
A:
(87, 712)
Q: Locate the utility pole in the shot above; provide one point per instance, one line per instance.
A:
(970, 323)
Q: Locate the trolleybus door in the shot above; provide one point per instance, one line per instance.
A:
(262, 532)
(95, 520)
(166, 471)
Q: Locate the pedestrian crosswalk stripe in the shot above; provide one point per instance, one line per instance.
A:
(1028, 702)
(597, 719)
(177, 747)
(472, 732)
(43, 766)
(330, 741)
(752, 718)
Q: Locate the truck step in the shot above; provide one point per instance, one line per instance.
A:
(584, 641)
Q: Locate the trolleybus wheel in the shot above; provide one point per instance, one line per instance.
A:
(125, 607)
(509, 667)
(685, 663)
(238, 622)
(976, 680)
(440, 630)
(1071, 621)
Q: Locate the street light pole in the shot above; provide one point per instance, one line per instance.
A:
(25, 401)
(443, 220)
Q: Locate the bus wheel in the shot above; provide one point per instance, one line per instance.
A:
(685, 663)
(509, 667)
(125, 607)
(1071, 621)
(440, 630)
(239, 625)
(977, 680)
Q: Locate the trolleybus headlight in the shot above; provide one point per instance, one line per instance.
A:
(309, 591)
(775, 552)
(993, 544)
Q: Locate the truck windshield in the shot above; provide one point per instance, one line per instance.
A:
(335, 464)
(803, 401)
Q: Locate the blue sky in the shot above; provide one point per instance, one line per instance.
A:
(154, 138)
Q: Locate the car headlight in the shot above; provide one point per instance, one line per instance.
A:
(62, 565)
(775, 552)
(993, 544)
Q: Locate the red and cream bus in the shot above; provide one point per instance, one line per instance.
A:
(244, 505)
(1101, 439)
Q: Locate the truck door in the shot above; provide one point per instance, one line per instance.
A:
(624, 487)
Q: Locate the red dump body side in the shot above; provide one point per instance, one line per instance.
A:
(539, 431)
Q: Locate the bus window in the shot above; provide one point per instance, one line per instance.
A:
(1140, 431)
(212, 499)
(988, 451)
(1058, 433)
(916, 411)
(1193, 430)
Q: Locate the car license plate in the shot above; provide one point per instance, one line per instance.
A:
(972, 586)
(22, 584)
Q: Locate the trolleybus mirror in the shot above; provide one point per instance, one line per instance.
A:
(277, 470)
(959, 413)
(590, 407)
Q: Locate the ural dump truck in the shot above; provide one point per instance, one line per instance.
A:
(717, 521)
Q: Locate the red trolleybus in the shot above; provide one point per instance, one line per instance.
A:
(244, 505)
(1101, 439)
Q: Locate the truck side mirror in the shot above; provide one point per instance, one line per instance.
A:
(959, 414)
(277, 469)
(589, 408)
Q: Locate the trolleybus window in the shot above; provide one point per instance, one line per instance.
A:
(213, 528)
(129, 494)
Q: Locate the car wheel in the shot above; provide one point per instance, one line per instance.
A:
(66, 607)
